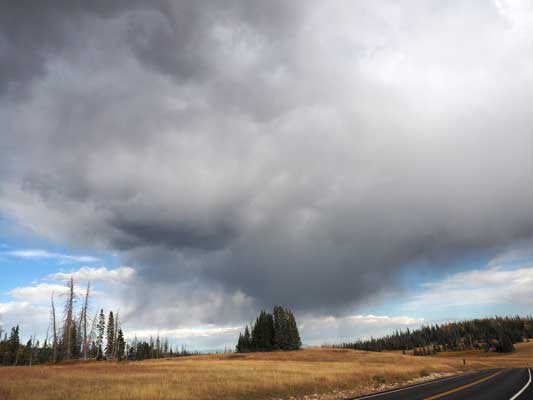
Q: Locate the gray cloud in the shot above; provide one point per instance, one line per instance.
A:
(32, 33)
(260, 151)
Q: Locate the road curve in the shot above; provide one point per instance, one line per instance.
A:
(494, 384)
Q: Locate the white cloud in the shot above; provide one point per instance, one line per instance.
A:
(369, 319)
(492, 285)
(517, 12)
(186, 333)
(13, 306)
(384, 319)
(39, 254)
(330, 329)
(32, 319)
(38, 294)
(102, 274)
(516, 256)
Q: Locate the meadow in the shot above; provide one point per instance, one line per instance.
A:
(277, 375)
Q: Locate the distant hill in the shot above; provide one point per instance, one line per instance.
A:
(490, 334)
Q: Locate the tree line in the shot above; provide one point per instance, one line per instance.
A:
(76, 336)
(490, 334)
(271, 331)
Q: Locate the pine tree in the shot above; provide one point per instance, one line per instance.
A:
(268, 331)
(100, 335)
(247, 340)
(281, 329)
(294, 336)
(13, 346)
(165, 347)
(121, 345)
(115, 330)
(157, 346)
(240, 348)
(75, 341)
(505, 345)
(110, 336)
(277, 331)
(263, 332)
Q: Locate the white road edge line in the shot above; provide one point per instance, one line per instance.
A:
(409, 387)
(524, 388)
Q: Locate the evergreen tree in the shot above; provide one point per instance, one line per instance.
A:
(110, 336)
(121, 345)
(100, 335)
(157, 346)
(263, 332)
(247, 340)
(13, 346)
(294, 336)
(27, 353)
(75, 341)
(165, 347)
(240, 345)
(489, 333)
(505, 345)
(281, 329)
(277, 331)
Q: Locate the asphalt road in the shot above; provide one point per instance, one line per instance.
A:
(496, 384)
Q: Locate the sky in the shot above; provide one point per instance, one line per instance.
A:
(366, 163)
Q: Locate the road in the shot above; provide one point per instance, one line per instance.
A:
(496, 384)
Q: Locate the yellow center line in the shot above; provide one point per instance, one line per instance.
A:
(438, 396)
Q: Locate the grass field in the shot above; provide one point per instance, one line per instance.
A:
(241, 376)
(523, 357)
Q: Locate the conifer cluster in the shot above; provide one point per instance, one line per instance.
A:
(276, 331)
(497, 334)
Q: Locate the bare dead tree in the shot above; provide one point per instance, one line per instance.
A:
(54, 329)
(84, 317)
(92, 333)
(69, 319)
(78, 328)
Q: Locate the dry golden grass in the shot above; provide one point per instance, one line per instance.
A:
(237, 376)
(523, 357)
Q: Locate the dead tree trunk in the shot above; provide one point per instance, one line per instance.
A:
(84, 316)
(69, 320)
(54, 328)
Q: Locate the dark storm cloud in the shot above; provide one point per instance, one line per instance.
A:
(32, 32)
(244, 153)
(169, 36)
(176, 234)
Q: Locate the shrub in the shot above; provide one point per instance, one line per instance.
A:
(424, 373)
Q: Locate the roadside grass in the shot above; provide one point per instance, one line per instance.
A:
(522, 357)
(251, 376)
